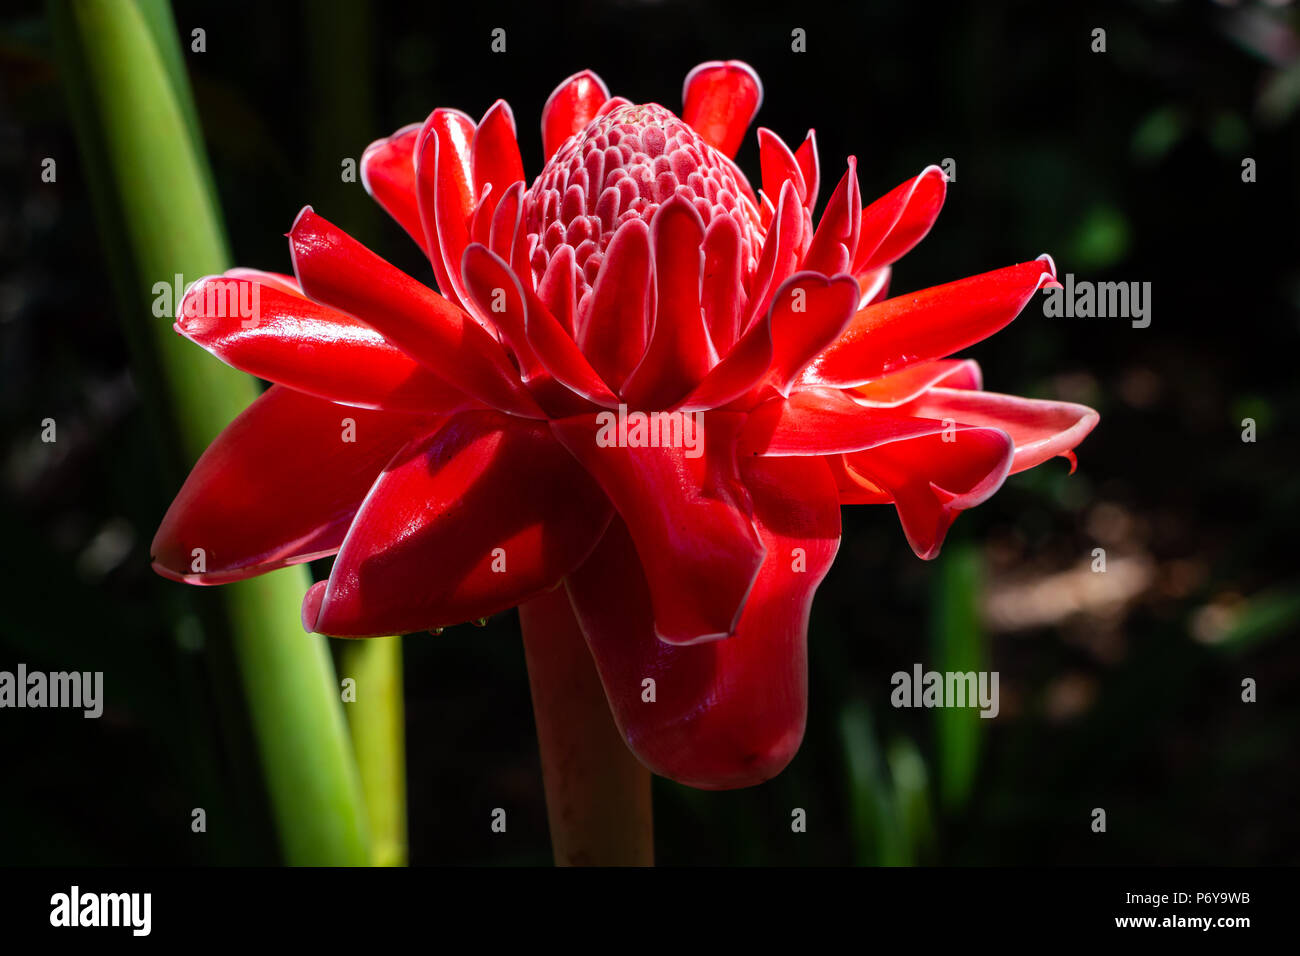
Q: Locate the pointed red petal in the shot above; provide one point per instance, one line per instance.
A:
(552, 366)
(686, 511)
(738, 375)
(722, 288)
(825, 421)
(558, 288)
(893, 390)
(720, 100)
(572, 105)
(766, 211)
(494, 154)
(932, 477)
(928, 324)
(388, 175)
(837, 233)
(560, 355)
(472, 520)
(480, 224)
(874, 285)
(444, 188)
(279, 486)
(808, 313)
(728, 713)
(677, 356)
(614, 319)
(898, 220)
(268, 331)
(780, 253)
(338, 271)
(1040, 429)
(507, 215)
(810, 165)
(778, 165)
(495, 293)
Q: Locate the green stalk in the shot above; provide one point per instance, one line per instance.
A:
(342, 123)
(162, 26)
(378, 738)
(155, 210)
(957, 644)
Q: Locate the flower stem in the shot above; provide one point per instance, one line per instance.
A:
(148, 179)
(597, 794)
(377, 720)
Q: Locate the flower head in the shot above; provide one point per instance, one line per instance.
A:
(641, 380)
(624, 166)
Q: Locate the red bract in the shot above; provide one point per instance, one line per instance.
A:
(464, 452)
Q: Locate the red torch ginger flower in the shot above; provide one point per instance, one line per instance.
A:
(640, 380)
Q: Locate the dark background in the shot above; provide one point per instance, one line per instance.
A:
(1120, 691)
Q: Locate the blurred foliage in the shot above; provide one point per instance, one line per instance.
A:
(1125, 165)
